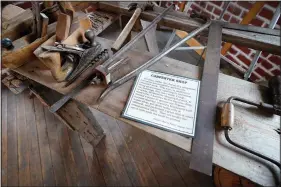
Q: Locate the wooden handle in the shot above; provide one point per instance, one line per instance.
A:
(126, 31)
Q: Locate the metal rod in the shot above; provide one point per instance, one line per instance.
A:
(258, 53)
(170, 40)
(225, 6)
(138, 36)
(190, 48)
(249, 150)
(151, 61)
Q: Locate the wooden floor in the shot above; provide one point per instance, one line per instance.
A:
(38, 150)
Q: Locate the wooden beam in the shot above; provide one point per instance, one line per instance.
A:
(18, 26)
(246, 20)
(181, 21)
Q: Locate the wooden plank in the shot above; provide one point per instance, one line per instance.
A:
(56, 152)
(23, 143)
(166, 161)
(36, 177)
(181, 21)
(12, 149)
(126, 156)
(202, 148)
(142, 164)
(110, 147)
(10, 11)
(17, 26)
(43, 140)
(132, 139)
(93, 163)
(253, 128)
(246, 20)
(4, 143)
(150, 38)
(69, 163)
(114, 107)
(160, 173)
(83, 177)
(190, 177)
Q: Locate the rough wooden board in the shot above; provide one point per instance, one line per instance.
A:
(10, 11)
(224, 155)
(182, 21)
(16, 27)
(252, 129)
(150, 37)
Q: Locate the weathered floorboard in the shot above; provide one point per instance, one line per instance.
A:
(36, 177)
(56, 152)
(23, 143)
(43, 151)
(45, 154)
(4, 137)
(12, 150)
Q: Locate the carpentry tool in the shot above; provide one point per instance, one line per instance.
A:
(139, 7)
(37, 23)
(102, 70)
(45, 22)
(135, 72)
(227, 114)
(258, 53)
(86, 55)
(94, 62)
(87, 81)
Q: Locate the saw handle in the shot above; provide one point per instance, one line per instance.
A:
(126, 31)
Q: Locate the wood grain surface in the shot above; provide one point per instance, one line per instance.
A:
(125, 157)
(253, 124)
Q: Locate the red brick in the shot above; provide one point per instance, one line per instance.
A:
(265, 54)
(217, 11)
(234, 10)
(226, 17)
(275, 59)
(253, 77)
(232, 51)
(276, 72)
(210, 8)
(234, 20)
(203, 4)
(266, 64)
(195, 8)
(232, 59)
(244, 49)
(260, 71)
(266, 13)
(206, 14)
(272, 3)
(218, 3)
(256, 22)
(244, 59)
(245, 4)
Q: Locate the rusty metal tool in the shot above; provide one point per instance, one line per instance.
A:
(135, 72)
(227, 114)
(139, 7)
(87, 81)
(102, 71)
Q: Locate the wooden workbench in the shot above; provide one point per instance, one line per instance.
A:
(252, 128)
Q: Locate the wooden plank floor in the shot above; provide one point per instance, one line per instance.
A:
(37, 150)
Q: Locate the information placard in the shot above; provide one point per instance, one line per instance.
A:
(164, 101)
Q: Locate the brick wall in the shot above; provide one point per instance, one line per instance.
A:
(268, 65)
